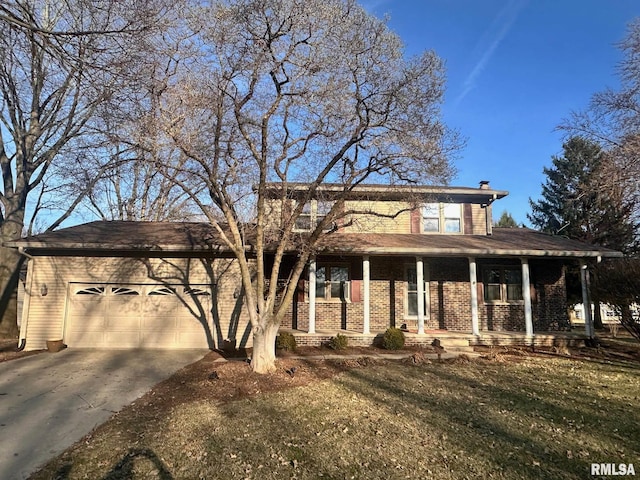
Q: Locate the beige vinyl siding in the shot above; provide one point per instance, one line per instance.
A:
(393, 217)
(47, 314)
(385, 217)
(479, 220)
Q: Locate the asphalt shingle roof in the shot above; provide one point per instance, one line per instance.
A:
(192, 237)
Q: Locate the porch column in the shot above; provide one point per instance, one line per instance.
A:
(473, 281)
(586, 299)
(312, 295)
(366, 278)
(420, 280)
(526, 296)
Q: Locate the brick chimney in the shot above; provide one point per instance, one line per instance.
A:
(484, 185)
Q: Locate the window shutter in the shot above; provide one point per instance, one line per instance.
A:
(301, 289)
(356, 290)
(467, 219)
(416, 215)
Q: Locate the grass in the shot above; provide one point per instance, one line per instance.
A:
(500, 417)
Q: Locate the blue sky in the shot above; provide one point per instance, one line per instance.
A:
(515, 69)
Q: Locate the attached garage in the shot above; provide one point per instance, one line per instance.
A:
(137, 316)
(126, 285)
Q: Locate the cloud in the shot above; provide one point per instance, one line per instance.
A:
(490, 41)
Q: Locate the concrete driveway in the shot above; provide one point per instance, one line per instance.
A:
(51, 400)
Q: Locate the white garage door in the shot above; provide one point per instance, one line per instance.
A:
(137, 316)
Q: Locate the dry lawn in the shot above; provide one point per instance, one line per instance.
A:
(509, 415)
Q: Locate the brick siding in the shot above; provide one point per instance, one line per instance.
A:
(449, 299)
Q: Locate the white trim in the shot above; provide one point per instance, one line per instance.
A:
(312, 295)
(526, 296)
(420, 282)
(473, 281)
(366, 279)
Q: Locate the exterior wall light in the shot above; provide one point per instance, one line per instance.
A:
(44, 290)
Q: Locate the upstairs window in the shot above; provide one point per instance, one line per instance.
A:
(313, 213)
(452, 217)
(431, 217)
(304, 221)
(442, 218)
(502, 285)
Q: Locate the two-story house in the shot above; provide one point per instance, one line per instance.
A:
(421, 258)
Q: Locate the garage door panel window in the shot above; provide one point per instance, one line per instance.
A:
(196, 291)
(91, 291)
(124, 291)
(162, 291)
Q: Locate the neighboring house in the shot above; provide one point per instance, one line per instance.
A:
(608, 313)
(424, 258)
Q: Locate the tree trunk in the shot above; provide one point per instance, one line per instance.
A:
(263, 359)
(597, 315)
(10, 263)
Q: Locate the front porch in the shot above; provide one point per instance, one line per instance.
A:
(459, 341)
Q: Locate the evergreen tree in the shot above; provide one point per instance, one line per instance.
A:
(506, 220)
(580, 201)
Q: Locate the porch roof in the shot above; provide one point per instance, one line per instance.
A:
(114, 236)
(513, 242)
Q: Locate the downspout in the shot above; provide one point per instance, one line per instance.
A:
(489, 214)
(25, 306)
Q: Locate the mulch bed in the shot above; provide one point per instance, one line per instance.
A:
(9, 350)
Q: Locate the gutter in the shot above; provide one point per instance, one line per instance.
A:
(479, 252)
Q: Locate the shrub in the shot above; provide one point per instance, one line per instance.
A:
(339, 342)
(393, 339)
(286, 341)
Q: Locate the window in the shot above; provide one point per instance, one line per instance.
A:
(502, 284)
(123, 291)
(303, 222)
(91, 291)
(312, 214)
(332, 282)
(196, 291)
(442, 217)
(411, 299)
(162, 291)
(431, 217)
(452, 223)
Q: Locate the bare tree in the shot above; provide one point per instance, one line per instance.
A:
(58, 62)
(289, 91)
(613, 121)
(126, 133)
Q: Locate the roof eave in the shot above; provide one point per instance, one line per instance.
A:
(102, 247)
(480, 252)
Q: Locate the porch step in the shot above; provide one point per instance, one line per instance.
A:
(454, 344)
(538, 340)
